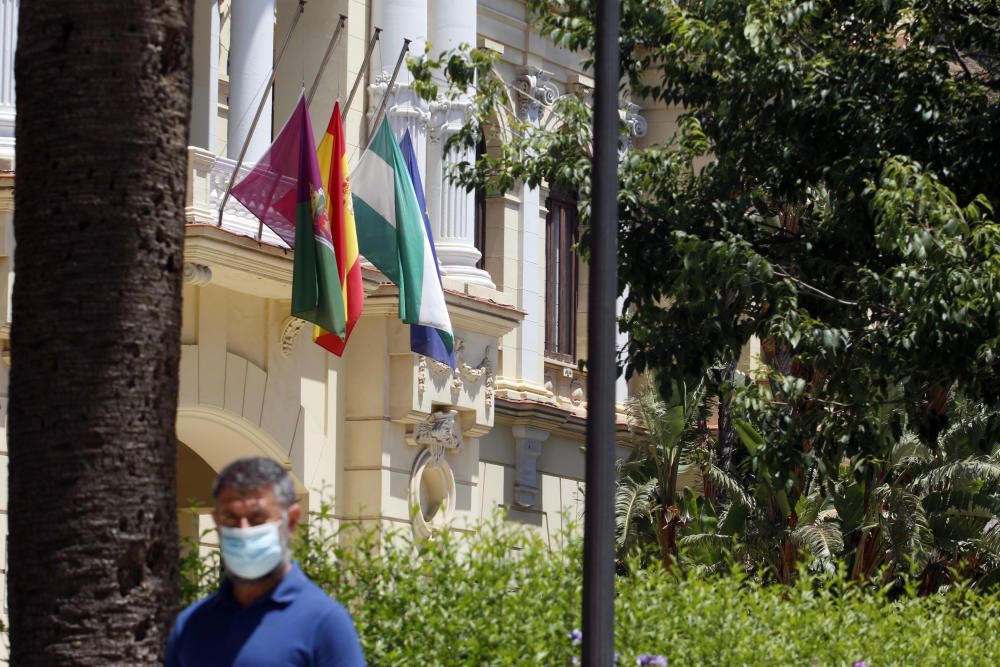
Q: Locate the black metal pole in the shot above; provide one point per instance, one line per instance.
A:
(599, 517)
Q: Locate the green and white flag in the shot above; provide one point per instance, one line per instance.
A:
(391, 233)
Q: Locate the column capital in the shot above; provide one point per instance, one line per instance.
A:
(402, 102)
(635, 124)
(447, 116)
(535, 92)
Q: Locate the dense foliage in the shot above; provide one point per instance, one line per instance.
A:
(927, 514)
(829, 191)
(501, 597)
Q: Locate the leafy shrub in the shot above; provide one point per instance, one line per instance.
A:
(500, 596)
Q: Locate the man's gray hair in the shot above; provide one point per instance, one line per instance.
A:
(253, 473)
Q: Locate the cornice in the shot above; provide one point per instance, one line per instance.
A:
(240, 263)
(551, 417)
(468, 313)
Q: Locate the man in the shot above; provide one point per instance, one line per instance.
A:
(265, 613)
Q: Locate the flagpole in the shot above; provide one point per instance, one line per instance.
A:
(256, 118)
(361, 72)
(392, 80)
(334, 41)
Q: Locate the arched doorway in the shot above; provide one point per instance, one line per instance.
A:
(209, 438)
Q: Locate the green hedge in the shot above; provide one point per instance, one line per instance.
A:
(500, 597)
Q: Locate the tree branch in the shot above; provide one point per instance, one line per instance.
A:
(809, 288)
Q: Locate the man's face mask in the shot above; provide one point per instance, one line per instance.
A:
(254, 552)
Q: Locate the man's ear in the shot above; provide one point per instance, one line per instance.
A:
(294, 514)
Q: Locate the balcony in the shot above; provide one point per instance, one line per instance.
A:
(208, 176)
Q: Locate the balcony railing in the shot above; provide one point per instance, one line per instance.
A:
(208, 176)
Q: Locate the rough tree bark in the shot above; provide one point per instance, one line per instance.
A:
(103, 96)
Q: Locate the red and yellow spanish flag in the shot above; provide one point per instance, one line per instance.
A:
(332, 157)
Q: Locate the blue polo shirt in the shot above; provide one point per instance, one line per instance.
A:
(295, 624)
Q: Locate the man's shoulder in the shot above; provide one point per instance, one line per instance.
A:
(324, 609)
(335, 639)
(310, 594)
(201, 607)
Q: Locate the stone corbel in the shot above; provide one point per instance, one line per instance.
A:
(535, 92)
(290, 329)
(528, 447)
(581, 86)
(197, 274)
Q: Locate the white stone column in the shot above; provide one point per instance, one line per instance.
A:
(399, 19)
(8, 45)
(205, 84)
(451, 208)
(251, 56)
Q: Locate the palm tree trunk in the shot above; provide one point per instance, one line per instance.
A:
(103, 96)
(666, 537)
(726, 442)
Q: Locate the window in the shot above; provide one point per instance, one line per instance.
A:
(481, 211)
(560, 277)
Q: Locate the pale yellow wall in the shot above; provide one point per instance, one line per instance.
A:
(241, 394)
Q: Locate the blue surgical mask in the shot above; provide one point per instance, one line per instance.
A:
(254, 552)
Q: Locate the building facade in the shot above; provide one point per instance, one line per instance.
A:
(385, 436)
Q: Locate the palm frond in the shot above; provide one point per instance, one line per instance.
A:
(729, 486)
(976, 469)
(715, 540)
(632, 501)
(823, 540)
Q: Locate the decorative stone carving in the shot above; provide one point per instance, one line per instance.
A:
(635, 124)
(535, 92)
(197, 274)
(421, 375)
(583, 89)
(290, 329)
(440, 432)
(460, 375)
(432, 494)
(576, 394)
(445, 117)
(550, 384)
(527, 449)
(401, 106)
(490, 386)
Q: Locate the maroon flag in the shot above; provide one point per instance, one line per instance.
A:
(270, 190)
(285, 191)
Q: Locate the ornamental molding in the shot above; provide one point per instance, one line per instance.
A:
(401, 104)
(290, 329)
(446, 117)
(432, 495)
(461, 375)
(197, 274)
(536, 92)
